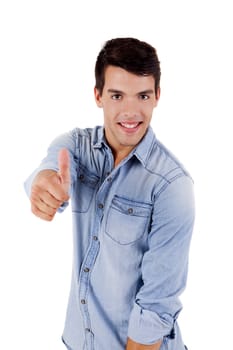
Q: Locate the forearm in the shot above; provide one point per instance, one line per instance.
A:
(131, 345)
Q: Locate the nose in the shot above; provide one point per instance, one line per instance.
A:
(130, 108)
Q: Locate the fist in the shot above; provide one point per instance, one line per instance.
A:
(50, 189)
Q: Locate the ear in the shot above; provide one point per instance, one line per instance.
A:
(157, 96)
(98, 98)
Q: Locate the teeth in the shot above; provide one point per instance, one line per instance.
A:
(129, 126)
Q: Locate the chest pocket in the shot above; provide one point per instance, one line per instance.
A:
(83, 190)
(127, 220)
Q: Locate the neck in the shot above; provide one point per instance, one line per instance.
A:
(120, 155)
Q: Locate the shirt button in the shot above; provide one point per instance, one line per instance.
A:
(130, 210)
(88, 330)
(86, 269)
(95, 238)
(83, 301)
(81, 177)
(100, 206)
(109, 179)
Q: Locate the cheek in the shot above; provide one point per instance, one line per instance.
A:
(110, 111)
(108, 117)
(148, 111)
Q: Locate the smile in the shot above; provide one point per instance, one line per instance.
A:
(130, 126)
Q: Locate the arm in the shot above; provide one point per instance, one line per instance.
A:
(131, 345)
(164, 266)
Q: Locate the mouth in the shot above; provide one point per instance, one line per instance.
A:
(130, 126)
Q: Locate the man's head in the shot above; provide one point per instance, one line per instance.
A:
(133, 55)
(127, 89)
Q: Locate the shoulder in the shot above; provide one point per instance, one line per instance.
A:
(167, 172)
(165, 163)
(76, 137)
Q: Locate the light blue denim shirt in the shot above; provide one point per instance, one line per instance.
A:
(132, 227)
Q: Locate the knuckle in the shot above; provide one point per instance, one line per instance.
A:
(48, 218)
(44, 216)
(34, 209)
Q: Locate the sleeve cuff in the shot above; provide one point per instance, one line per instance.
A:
(62, 207)
(146, 327)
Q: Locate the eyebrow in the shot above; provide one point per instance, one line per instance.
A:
(145, 92)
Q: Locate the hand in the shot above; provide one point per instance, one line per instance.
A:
(50, 188)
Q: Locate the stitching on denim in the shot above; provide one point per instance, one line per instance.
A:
(163, 188)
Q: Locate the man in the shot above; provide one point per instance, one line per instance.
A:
(133, 211)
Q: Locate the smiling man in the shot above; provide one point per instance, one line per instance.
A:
(133, 211)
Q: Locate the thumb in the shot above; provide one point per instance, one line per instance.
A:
(64, 167)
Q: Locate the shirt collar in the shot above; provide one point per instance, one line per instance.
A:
(98, 137)
(142, 150)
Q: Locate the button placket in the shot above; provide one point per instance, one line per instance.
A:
(84, 282)
(90, 258)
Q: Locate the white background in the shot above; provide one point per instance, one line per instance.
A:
(48, 51)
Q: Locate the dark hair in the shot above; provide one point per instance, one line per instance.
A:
(131, 54)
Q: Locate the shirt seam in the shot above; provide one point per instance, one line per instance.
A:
(169, 182)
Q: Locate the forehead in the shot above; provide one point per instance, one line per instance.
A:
(120, 79)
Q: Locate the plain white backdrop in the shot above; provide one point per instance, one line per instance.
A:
(48, 51)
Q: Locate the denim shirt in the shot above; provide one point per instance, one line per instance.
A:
(132, 227)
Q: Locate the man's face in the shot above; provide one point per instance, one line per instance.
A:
(128, 101)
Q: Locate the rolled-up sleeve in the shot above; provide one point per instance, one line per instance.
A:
(165, 263)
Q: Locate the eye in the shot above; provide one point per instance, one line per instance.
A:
(116, 97)
(144, 97)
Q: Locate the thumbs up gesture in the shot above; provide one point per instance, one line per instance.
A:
(50, 189)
